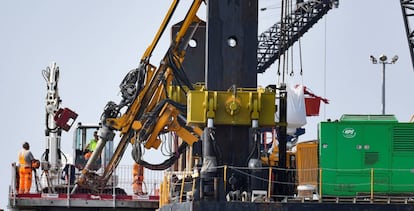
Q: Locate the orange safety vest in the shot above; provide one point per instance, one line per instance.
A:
(25, 173)
(138, 179)
(22, 160)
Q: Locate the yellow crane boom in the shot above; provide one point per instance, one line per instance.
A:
(149, 111)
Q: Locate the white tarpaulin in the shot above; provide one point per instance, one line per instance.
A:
(296, 111)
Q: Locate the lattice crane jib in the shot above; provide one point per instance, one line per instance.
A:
(272, 43)
(407, 7)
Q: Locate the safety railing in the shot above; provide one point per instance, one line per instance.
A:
(120, 183)
(177, 186)
(368, 184)
(316, 184)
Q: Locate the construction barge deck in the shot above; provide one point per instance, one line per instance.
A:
(81, 202)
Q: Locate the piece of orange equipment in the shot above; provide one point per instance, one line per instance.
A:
(35, 164)
(138, 179)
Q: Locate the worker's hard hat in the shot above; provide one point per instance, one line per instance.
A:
(26, 145)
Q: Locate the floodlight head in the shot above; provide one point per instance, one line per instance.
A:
(373, 59)
(394, 59)
(383, 58)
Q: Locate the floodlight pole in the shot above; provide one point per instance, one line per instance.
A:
(383, 61)
(383, 88)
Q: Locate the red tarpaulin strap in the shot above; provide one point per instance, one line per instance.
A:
(307, 92)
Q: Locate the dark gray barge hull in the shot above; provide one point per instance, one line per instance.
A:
(291, 206)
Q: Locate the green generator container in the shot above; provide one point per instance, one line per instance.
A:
(360, 154)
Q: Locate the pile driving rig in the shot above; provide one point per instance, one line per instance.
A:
(219, 121)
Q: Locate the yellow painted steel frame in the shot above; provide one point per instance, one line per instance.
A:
(151, 47)
(152, 93)
(164, 191)
(307, 163)
(168, 121)
(235, 107)
(177, 93)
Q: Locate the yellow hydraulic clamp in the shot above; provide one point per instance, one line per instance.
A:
(233, 107)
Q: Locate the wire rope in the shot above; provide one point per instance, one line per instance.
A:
(324, 68)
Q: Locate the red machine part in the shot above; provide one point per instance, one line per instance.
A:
(65, 118)
(312, 102)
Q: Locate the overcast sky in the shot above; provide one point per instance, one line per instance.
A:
(95, 43)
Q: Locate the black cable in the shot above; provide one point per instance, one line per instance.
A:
(164, 146)
(161, 166)
(45, 155)
(47, 125)
(179, 72)
(66, 159)
(216, 149)
(177, 75)
(255, 147)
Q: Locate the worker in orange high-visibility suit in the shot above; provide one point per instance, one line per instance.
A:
(138, 175)
(25, 169)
